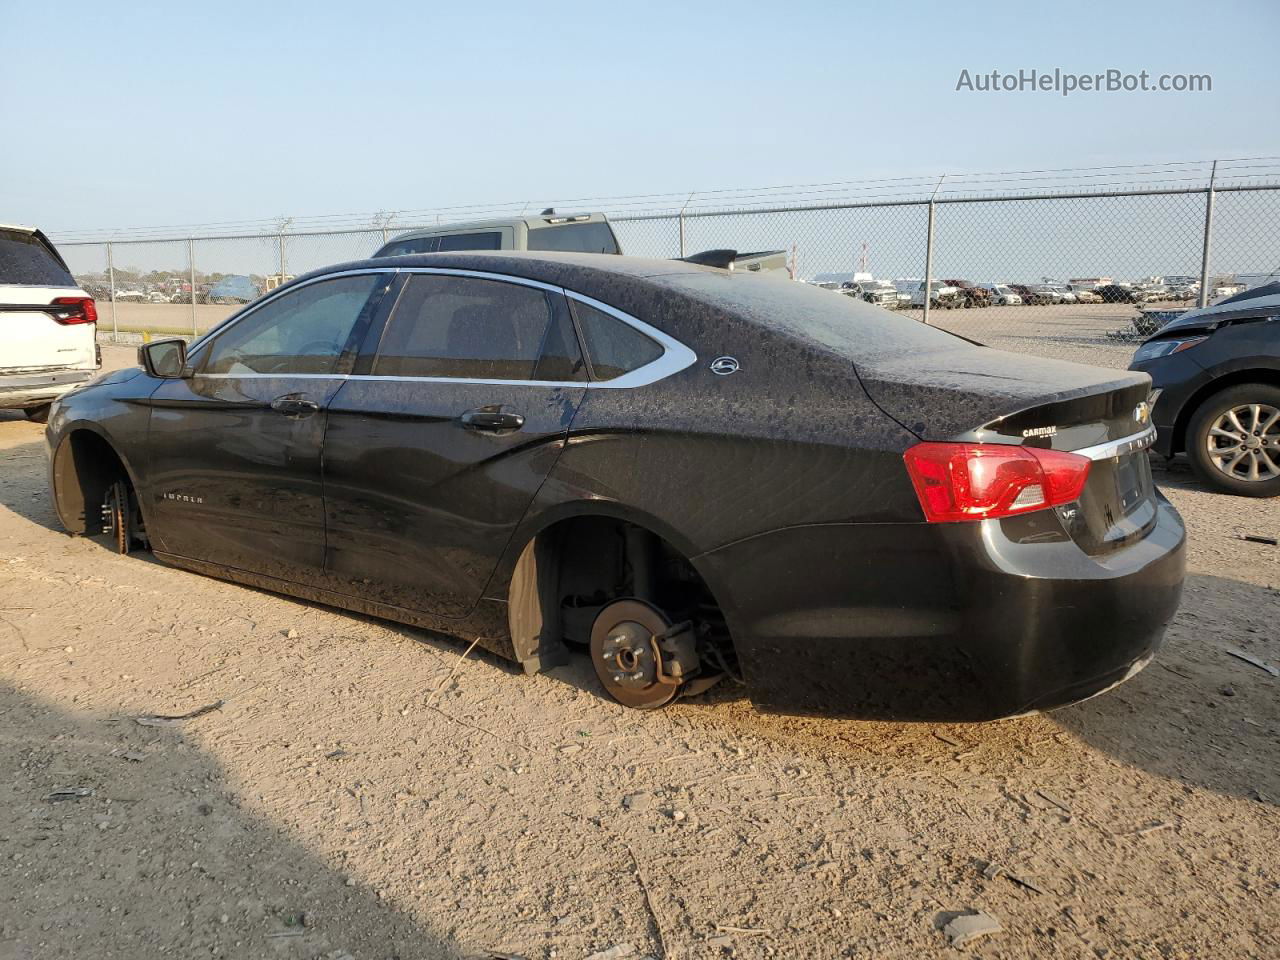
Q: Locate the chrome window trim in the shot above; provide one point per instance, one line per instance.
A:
(675, 355)
(1117, 448)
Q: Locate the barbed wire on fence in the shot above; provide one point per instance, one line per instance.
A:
(1241, 171)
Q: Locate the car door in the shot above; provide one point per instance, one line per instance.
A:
(433, 453)
(234, 445)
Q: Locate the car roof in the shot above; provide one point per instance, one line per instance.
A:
(533, 265)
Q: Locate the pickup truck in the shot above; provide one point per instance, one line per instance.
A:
(579, 233)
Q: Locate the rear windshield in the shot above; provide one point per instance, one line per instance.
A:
(26, 259)
(594, 237)
(846, 326)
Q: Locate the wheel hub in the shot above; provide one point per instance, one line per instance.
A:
(628, 649)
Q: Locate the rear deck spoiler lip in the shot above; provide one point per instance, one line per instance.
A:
(724, 257)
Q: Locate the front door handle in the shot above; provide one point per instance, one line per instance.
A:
(491, 421)
(294, 407)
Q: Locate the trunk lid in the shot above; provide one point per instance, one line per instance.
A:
(976, 394)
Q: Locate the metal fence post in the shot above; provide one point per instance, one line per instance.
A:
(1208, 237)
(680, 221)
(928, 252)
(191, 261)
(282, 260)
(111, 280)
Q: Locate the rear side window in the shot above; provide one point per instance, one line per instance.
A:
(398, 248)
(27, 259)
(574, 238)
(613, 347)
(473, 329)
(471, 241)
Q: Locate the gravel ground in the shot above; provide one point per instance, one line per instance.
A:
(363, 792)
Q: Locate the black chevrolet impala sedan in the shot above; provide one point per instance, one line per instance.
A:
(685, 471)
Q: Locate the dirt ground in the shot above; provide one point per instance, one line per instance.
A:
(363, 792)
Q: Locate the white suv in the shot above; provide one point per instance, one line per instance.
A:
(48, 325)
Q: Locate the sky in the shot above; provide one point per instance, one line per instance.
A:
(133, 114)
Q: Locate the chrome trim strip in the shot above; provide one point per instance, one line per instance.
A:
(268, 376)
(1118, 448)
(675, 355)
(581, 384)
(482, 275)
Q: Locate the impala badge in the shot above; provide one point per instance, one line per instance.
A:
(723, 366)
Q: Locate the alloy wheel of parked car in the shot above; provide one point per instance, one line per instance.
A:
(1234, 440)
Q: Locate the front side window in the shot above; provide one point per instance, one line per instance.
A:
(613, 347)
(302, 331)
(473, 329)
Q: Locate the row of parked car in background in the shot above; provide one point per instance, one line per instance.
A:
(223, 289)
(956, 293)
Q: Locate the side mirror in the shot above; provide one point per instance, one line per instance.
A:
(164, 358)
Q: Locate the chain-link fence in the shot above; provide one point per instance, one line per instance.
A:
(1073, 275)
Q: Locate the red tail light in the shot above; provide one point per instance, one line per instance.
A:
(75, 310)
(981, 481)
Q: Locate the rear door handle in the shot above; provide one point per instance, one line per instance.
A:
(492, 421)
(294, 407)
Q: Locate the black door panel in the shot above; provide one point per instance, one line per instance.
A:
(420, 505)
(234, 481)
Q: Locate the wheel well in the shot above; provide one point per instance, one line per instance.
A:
(1192, 404)
(578, 565)
(84, 466)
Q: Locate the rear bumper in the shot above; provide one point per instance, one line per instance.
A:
(944, 622)
(33, 389)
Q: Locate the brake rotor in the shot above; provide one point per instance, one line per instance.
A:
(626, 657)
(116, 517)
